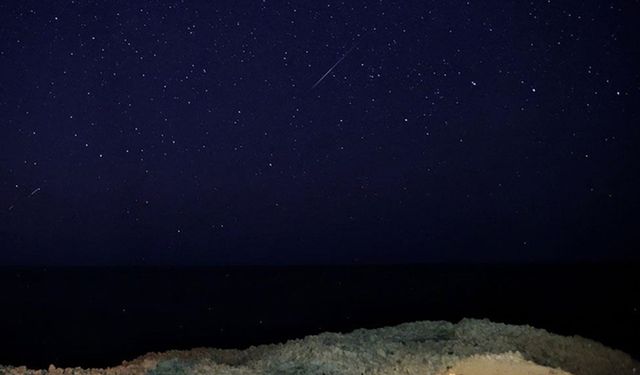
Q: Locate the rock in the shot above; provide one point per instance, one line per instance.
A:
(470, 347)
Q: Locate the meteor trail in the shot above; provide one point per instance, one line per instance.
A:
(36, 190)
(333, 66)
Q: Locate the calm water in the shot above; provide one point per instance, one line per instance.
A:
(94, 317)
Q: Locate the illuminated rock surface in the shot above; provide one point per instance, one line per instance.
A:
(470, 347)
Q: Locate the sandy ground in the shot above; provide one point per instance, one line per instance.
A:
(500, 364)
(470, 347)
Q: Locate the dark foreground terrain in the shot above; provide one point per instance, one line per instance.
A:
(470, 347)
(97, 317)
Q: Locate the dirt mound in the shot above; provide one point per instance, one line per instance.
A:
(439, 348)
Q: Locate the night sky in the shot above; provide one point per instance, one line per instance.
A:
(267, 132)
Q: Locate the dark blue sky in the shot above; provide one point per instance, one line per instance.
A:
(164, 132)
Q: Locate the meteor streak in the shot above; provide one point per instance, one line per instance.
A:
(332, 67)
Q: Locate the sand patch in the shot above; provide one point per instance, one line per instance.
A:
(500, 364)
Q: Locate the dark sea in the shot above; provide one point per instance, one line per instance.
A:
(97, 317)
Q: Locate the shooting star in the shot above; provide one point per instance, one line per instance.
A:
(332, 67)
(34, 192)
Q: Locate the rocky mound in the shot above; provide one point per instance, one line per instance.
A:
(469, 347)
